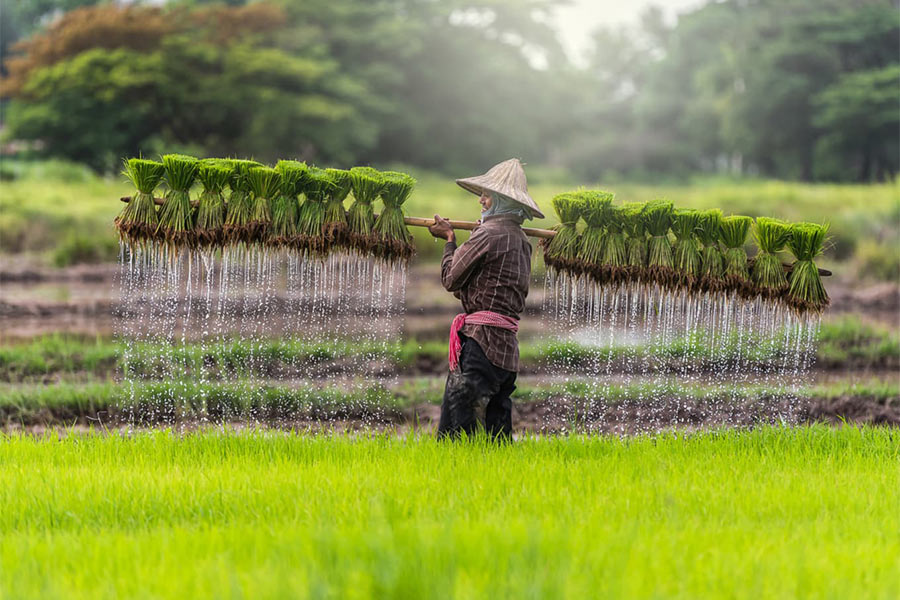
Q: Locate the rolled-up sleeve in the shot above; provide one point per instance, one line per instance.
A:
(458, 264)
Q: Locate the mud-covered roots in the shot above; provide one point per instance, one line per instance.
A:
(392, 250)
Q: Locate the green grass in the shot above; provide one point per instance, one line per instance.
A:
(770, 513)
(39, 209)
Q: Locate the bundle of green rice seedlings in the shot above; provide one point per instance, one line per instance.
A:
(285, 206)
(176, 223)
(366, 184)
(561, 251)
(687, 257)
(594, 210)
(733, 232)
(806, 291)
(771, 236)
(214, 176)
(658, 217)
(394, 240)
(336, 229)
(138, 221)
(310, 238)
(713, 263)
(265, 185)
(636, 238)
(239, 206)
(615, 253)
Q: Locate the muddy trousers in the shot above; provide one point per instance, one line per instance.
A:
(477, 396)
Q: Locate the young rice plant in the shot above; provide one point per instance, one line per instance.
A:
(138, 221)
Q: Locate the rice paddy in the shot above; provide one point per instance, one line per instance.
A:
(261, 425)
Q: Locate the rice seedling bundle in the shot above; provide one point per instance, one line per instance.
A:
(658, 217)
(687, 257)
(771, 236)
(733, 232)
(176, 214)
(214, 176)
(806, 290)
(286, 207)
(594, 210)
(310, 236)
(138, 221)
(713, 263)
(615, 255)
(366, 184)
(265, 185)
(239, 206)
(394, 240)
(337, 232)
(636, 236)
(561, 252)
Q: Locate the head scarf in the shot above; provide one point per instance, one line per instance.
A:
(501, 205)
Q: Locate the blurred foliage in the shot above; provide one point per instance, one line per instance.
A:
(798, 89)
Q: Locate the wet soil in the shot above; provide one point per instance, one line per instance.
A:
(557, 415)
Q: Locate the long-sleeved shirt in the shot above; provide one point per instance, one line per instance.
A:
(491, 271)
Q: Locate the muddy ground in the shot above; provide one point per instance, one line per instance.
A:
(551, 416)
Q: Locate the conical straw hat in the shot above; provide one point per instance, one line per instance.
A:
(506, 179)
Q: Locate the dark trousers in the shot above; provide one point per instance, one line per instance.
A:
(477, 396)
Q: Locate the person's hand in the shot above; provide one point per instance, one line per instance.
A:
(442, 229)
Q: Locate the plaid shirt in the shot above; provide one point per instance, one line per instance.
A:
(491, 271)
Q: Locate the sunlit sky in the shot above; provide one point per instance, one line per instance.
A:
(576, 21)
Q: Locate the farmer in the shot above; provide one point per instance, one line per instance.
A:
(490, 274)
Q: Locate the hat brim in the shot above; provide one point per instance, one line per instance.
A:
(471, 184)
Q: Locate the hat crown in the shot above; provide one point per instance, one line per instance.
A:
(507, 179)
(509, 173)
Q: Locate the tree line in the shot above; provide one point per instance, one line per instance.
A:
(794, 89)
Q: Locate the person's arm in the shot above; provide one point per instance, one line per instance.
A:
(459, 264)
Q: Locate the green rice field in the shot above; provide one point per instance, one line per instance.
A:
(807, 512)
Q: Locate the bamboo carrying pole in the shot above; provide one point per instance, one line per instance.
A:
(544, 234)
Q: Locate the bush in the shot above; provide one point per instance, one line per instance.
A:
(77, 249)
(878, 260)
